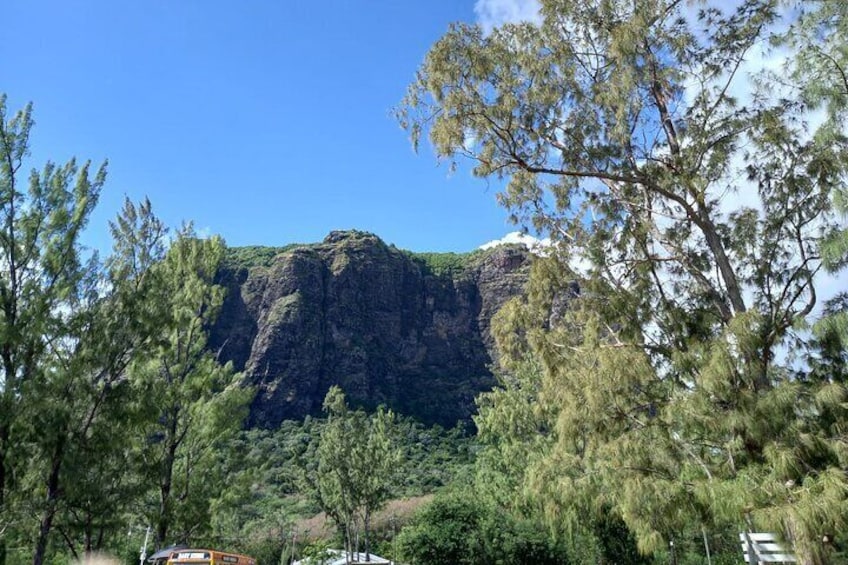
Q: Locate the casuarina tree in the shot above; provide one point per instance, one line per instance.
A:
(687, 192)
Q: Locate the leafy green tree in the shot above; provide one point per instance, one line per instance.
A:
(70, 326)
(86, 409)
(622, 127)
(513, 433)
(820, 66)
(335, 485)
(517, 431)
(42, 271)
(356, 460)
(458, 527)
(197, 402)
(445, 532)
(104, 481)
(376, 461)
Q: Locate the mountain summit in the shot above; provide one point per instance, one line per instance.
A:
(407, 330)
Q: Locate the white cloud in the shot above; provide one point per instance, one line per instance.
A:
(828, 285)
(736, 192)
(534, 244)
(542, 247)
(205, 233)
(494, 13)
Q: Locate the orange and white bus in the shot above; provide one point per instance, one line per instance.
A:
(208, 557)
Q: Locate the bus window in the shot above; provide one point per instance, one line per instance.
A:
(208, 557)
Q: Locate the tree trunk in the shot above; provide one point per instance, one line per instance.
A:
(803, 557)
(367, 537)
(52, 499)
(99, 543)
(87, 537)
(166, 480)
(162, 522)
(348, 542)
(4, 441)
(725, 267)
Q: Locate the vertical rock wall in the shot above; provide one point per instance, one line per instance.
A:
(375, 320)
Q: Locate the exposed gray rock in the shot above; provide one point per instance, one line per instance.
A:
(384, 324)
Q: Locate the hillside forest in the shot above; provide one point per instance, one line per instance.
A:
(672, 373)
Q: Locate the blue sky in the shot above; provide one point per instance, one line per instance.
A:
(265, 121)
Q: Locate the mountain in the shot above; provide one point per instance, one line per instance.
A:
(407, 330)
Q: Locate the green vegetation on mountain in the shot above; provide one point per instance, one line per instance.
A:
(245, 257)
(445, 264)
(276, 480)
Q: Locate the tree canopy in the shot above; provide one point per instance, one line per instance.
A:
(96, 357)
(688, 192)
(355, 468)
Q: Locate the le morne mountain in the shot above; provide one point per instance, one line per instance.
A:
(407, 330)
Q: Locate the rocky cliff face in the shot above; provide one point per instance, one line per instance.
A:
(387, 326)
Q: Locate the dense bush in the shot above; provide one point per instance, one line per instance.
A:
(460, 528)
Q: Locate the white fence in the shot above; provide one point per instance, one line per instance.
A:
(765, 548)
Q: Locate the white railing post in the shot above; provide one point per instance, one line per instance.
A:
(762, 548)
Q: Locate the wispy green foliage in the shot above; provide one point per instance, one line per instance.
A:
(199, 404)
(70, 326)
(665, 391)
(820, 64)
(356, 464)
